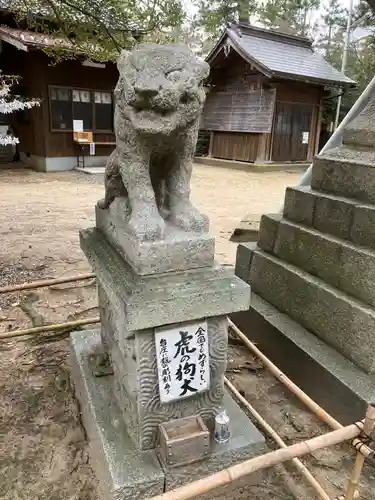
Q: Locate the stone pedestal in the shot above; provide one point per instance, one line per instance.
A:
(122, 409)
(159, 359)
(126, 473)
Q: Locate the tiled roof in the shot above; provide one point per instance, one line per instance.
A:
(281, 55)
(24, 39)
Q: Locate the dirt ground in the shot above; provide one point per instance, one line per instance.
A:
(43, 450)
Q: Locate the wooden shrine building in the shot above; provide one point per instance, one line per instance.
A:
(74, 89)
(265, 99)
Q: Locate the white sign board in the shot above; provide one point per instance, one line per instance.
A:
(305, 137)
(92, 149)
(183, 360)
(77, 125)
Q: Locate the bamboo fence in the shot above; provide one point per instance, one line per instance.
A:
(238, 471)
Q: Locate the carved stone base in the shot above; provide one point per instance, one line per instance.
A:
(177, 251)
(141, 302)
(132, 306)
(125, 473)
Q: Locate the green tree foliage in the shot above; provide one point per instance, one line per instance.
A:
(101, 28)
(214, 16)
(333, 21)
(290, 16)
(360, 64)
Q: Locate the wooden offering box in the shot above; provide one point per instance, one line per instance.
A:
(183, 441)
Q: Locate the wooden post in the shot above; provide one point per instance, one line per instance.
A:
(312, 133)
(211, 145)
(318, 128)
(368, 429)
(261, 155)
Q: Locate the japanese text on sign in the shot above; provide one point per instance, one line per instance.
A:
(183, 360)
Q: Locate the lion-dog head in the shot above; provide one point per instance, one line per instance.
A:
(160, 89)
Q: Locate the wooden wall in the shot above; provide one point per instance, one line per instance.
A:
(28, 125)
(237, 101)
(235, 146)
(72, 74)
(300, 103)
(37, 72)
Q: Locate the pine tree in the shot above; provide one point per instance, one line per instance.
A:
(214, 16)
(11, 103)
(333, 26)
(291, 16)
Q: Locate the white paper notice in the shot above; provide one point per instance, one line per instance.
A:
(305, 137)
(183, 360)
(92, 148)
(77, 125)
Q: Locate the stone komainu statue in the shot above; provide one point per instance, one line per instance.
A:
(159, 98)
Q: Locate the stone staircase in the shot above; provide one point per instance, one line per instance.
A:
(312, 274)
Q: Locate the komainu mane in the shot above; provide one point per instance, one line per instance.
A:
(159, 99)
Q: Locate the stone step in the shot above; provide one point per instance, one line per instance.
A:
(335, 215)
(329, 378)
(339, 263)
(338, 319)
(345, 175)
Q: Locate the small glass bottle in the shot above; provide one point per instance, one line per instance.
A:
(222, 431)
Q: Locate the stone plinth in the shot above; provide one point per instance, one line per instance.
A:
(177, 251)
(156, 300)
(127, 473)
(132, 306)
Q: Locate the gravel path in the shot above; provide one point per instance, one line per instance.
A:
(43, 452)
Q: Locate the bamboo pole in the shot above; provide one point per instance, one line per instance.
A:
(342, 497)
(368, 429)
(275, 436)
(49, 328)
(297, 391)
(235, 472)
(43, 283)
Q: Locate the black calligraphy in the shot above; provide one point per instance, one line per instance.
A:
(183, 345)
(186, 370)
(183, 361)
(166, 373)
(202, 357)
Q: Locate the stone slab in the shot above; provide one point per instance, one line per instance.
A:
(334, 382)
(341, 321)
(268, 231)
(362, 230)
(247, 229)
(360, 131)
(342, 264)
(243, 259)
(335, 215)
(125, 473)
(177, 251)
(299, 205)
(349, 177)
(157, 300)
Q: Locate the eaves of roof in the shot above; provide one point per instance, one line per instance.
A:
(229, 38)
